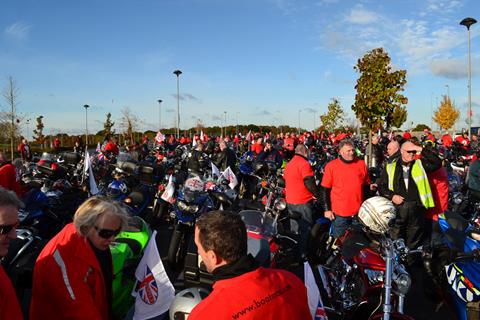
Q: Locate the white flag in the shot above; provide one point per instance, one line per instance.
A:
(230, 176)
(159, 138)
(202, 137)
(315, 303)
(167, 195)
(153, 291)
(91, 178)
(194, 142)
(248, 137)
(215, 171)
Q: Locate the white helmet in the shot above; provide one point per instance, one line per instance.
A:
(185, 301)
(376, 213)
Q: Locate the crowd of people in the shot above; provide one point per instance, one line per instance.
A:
(73, 274)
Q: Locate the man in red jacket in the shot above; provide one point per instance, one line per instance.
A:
(242, 289)
(9, 204)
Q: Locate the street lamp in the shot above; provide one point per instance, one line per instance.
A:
(224, 124)
(86, 106)
(178, 73)
(236, 130)
(299, 111)
(314, 120)
(448, 90)
(159, 114)
(467, 22)
(28, 129)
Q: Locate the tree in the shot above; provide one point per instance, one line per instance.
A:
(38, 132)
(421, 127)
(378, 90)
(108, 125)
(11, 96)
(446, 115)
(130, 123)
(334, 115)
(399, 116)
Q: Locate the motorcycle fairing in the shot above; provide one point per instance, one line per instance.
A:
(464, 279)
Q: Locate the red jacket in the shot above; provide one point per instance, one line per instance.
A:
(447, 140)
(9, 306)
(68, 281)
(112, 147)
(259, 294)
(8, 178)
(438, 181)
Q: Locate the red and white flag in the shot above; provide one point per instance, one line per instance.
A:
(159, 138)
(153, 291)
(313, 294)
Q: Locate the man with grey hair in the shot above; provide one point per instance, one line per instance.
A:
(9, 204)
(405, 183)
(343, 184)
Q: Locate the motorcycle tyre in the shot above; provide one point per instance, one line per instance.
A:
(177, 247)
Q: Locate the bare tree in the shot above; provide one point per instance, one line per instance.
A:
(130, 123)
(10, 95)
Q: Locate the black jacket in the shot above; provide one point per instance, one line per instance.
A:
(271, 156)
(225, 159)
(430, 162)
(195, 161)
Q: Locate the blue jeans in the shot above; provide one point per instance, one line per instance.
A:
(341, 224)
(305, 222)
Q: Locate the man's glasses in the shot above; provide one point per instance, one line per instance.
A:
(6, 228)
(107, 233)
(412, 151)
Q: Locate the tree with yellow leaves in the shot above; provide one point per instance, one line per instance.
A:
(446, 115)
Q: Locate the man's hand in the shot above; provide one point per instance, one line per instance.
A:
(373, 187)
(396, 199)
(329, 215)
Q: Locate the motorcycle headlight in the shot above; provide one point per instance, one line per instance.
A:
(374, 276)
(403, 282)
(193, 208)
(280, 204)
(182, 206)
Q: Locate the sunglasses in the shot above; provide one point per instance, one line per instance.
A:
(412, 151)
(107, 233)
(6, 228)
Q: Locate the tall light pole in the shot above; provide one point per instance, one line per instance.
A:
(467, 22)
(28, 129)
(159, 114)
(86, 106)
(314, 120)
(448, 90)
(236, 130)
(224, 124)
(178, 73)
(299, 111)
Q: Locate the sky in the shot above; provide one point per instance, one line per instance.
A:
(254, 61)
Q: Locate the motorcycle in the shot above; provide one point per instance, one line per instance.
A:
(127, 251)
(191, 201)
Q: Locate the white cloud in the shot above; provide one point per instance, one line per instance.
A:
(360, 15)
(443, 6)
(455, 68)
(18, 30)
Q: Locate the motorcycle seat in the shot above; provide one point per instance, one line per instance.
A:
(133, 244)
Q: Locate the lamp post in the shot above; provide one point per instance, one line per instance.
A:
(28, 129)
(159, 114)
(224, 124)
(448, 90)
(314, 120)
(236, 130)
(86, 106)
(467, 22)
(299, 111)
(178, 73)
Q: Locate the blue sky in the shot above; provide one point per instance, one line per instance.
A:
(260, 60)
